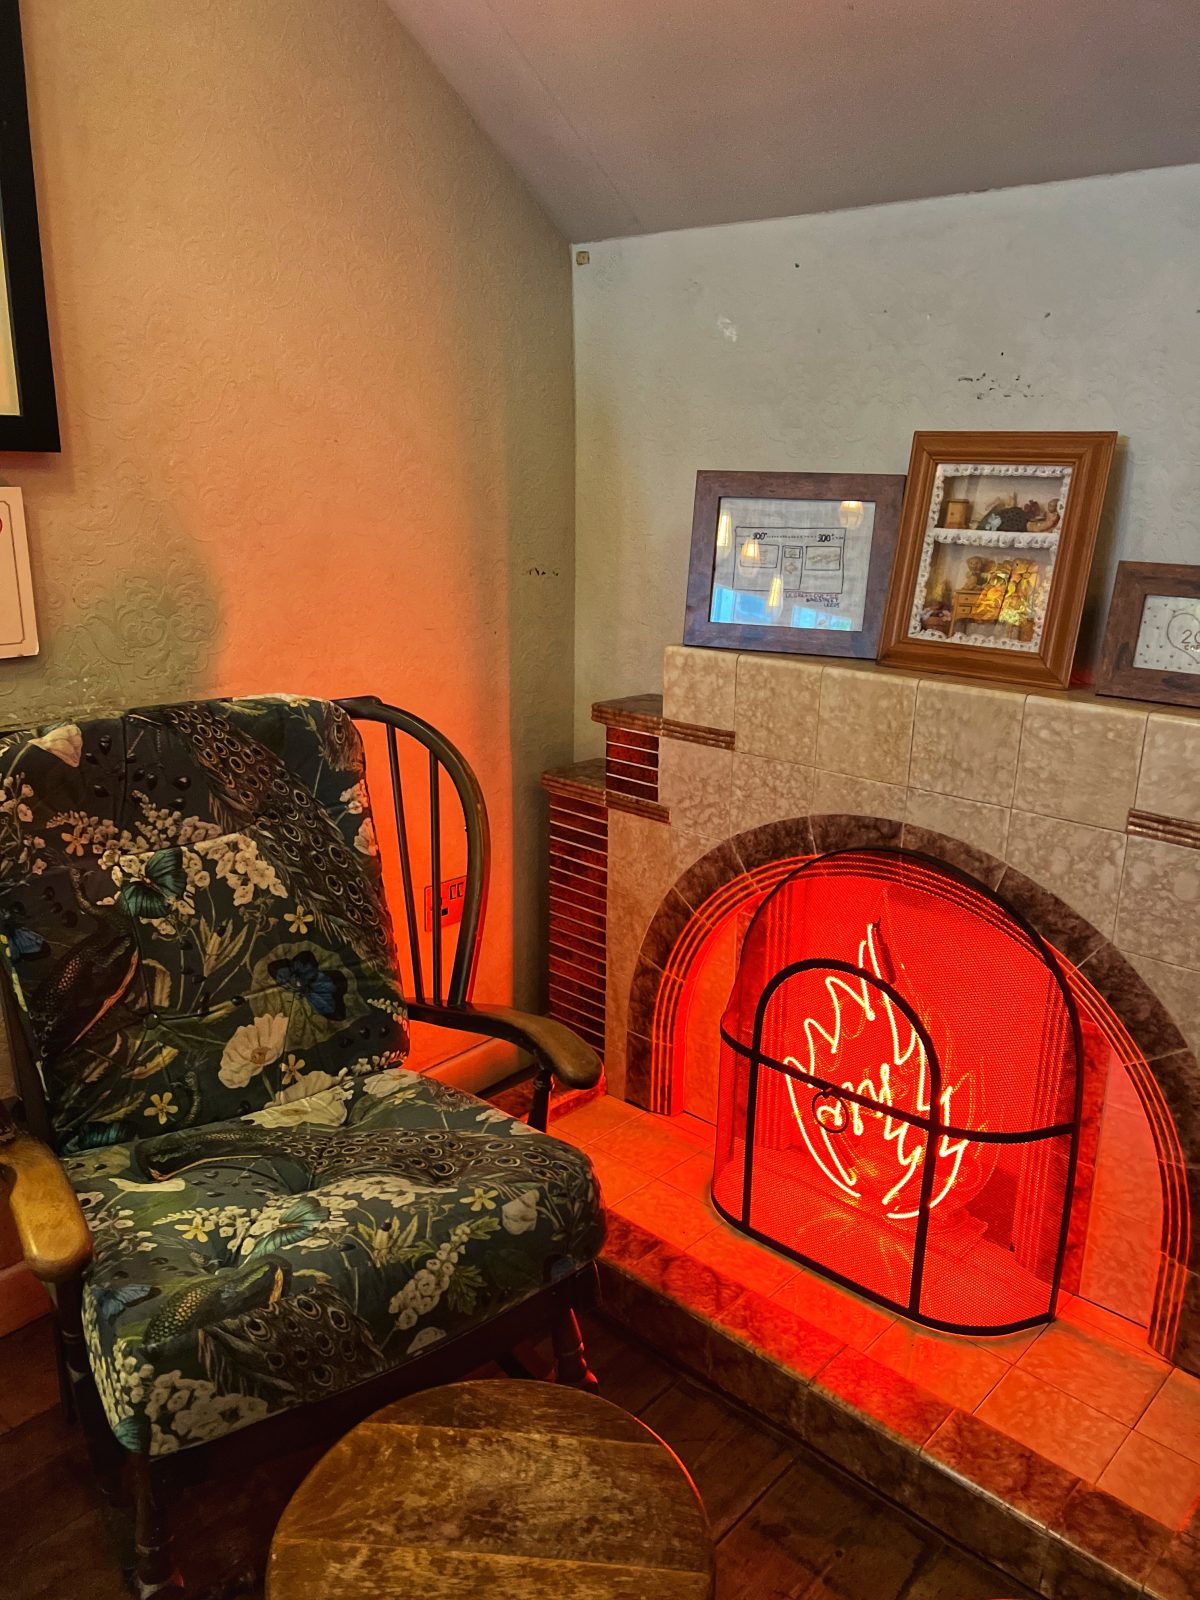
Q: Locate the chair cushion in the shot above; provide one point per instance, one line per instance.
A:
(192, 913)
(248, 1266)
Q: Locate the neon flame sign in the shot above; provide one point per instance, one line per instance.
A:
(903, 1071)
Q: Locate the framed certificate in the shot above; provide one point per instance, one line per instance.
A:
(28, 411)
(791, 561)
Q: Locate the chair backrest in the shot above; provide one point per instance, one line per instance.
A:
(450, 975)
(192, 913)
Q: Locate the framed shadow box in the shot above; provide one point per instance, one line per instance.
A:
(794, 562)
(1152, 639)
(995, 547)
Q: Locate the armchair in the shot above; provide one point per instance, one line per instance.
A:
(250, 1214)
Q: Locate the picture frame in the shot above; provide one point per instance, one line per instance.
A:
(1151, 647)
(18, 619)
(821, 544)
(996, 542)
(28, 408)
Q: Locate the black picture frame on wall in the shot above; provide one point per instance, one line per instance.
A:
(31, 422)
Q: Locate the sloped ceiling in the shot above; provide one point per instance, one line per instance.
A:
(634, 116)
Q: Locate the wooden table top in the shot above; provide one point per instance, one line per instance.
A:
(507, 1490)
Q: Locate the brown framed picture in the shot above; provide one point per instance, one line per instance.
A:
(791, 561)
(1152, 640)
(995, 546)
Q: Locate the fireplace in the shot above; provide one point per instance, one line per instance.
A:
(900, 1090)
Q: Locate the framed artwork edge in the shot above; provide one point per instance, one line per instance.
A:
(1088, 455)
(884, 490)
(1117, 676)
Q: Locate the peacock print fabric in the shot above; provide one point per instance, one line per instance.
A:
(192, 916)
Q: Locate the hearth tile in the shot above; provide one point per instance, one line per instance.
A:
(1079, 760)
(966, 833)
(950, 1367)
(1115, 1379)
(1178, 1078)
(1179, 990)
(865, 726)
(965, 741)
(695, 782)
(1154, 1480)
(747, 1374)
(627, 1242)
(769, 791)
(709, 872)
(638, 1058)
(1149, 1022)
(669, 921)
(1069, 1573)
(647, 984)
(826, 1305)
(693, 1175)
(1173, 1416)
(1113, 1532)
(1167, 784)
(679, 1219)
(1066, 930)
(1003, 1467)
(1009, 1347)
(743, 1260)
(774, 841)
(1176, 1573)
(1079, 864)
(904, 1408)
(1055, 1424)
(1187, 1347)
(844, 830)
(834, 793)
(699, 686)
(1087, 1314)
(780, 1334)
(687, 1282)
(617, 1178)
(1122, 1274)
(592, 1121)
(677, 1333)
(991, 1529)
(864, 1447)
(778, 705)
(1159, 896)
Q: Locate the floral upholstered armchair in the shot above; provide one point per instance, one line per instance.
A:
(244, 1202)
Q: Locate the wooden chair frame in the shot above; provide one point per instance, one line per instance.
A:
(57, 1245)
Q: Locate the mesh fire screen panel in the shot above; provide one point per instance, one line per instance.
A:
(899, 1095)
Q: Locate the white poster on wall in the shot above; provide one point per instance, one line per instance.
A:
(18, 625)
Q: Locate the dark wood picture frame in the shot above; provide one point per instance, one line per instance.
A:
(23, 322)
(884, 491)
(1136, 582)
(1089, 457)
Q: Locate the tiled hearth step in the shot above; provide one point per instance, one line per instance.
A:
(1044, 1525)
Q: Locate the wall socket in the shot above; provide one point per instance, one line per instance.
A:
(453, 890)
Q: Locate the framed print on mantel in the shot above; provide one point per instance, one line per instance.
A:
(791, 561)
(995, 547)
(1152, 641)
(28, 410)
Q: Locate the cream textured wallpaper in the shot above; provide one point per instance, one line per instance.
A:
(821, 343)
(313, 349)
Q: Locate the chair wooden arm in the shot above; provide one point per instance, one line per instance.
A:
(557, 1049)
(50, 1225)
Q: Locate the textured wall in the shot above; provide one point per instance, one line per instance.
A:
(313, 352)
(820, 343)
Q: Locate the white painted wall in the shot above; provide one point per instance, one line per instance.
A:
(821, 343)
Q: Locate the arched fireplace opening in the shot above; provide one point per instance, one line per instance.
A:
(900, 1090)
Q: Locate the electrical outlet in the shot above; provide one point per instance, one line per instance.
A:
(453, 890)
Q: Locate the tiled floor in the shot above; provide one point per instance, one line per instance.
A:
(1086, 1392)
(788, 1526)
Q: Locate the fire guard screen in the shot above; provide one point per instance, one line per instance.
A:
(900, 1088)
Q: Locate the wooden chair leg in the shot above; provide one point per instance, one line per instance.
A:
(154, 1574)
(570, 1357)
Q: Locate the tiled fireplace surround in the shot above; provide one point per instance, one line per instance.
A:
(1070, 1455)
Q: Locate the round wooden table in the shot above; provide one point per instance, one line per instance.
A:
(508, 1490)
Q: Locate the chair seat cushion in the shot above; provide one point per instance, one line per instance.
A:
(247, 1266)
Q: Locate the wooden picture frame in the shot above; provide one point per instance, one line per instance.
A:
(837, 530)
(28, 408)
(1165, 637)
(995, 547)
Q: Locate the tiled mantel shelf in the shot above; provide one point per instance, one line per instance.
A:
(1097, 800)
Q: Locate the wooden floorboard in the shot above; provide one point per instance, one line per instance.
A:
(789, 1526)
